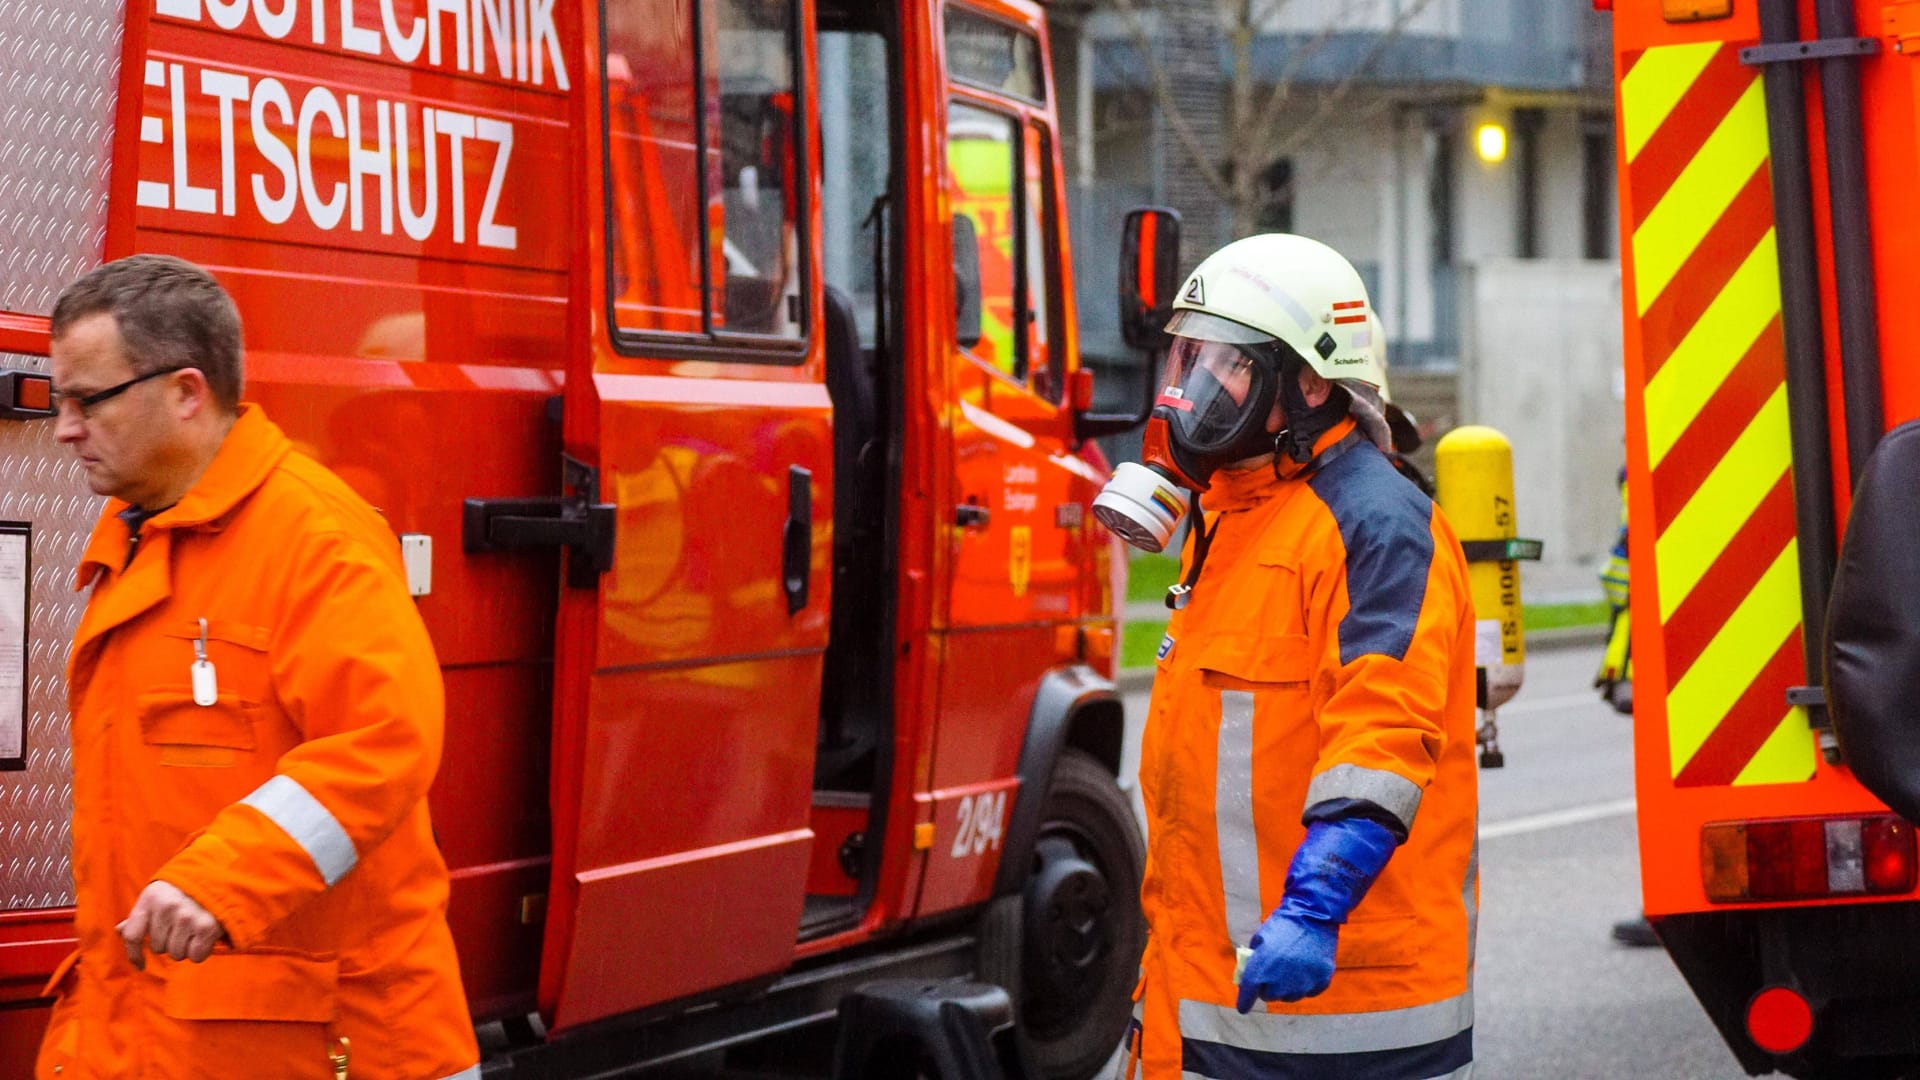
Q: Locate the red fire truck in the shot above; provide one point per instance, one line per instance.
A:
(778, 640)
(1769, 157)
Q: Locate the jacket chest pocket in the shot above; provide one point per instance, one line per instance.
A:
(183, 733)
(236, 650)
(204, 717)
(1257, 637)
(1258, 662)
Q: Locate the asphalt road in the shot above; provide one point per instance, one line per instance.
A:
(1555, 996)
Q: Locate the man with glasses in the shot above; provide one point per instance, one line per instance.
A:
(256, 717)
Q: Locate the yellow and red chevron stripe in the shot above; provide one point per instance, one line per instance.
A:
(1706, 281)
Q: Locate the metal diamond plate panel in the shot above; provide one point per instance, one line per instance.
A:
(59, 60)
(41, 483)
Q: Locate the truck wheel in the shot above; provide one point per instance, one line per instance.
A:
(1083, 930)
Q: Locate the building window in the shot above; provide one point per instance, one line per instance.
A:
(1596, 169)
(1526, 155)
(1440, 163)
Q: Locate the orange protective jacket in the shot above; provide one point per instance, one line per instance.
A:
(293, 808)
(1323, 666)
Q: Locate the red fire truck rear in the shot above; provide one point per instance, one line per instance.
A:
(716, 362)
(1769, 157)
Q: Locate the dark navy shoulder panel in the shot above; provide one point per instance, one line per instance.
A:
(1387, 526)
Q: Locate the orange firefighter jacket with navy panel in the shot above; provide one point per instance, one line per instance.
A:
(293, 808)
(1323, 666)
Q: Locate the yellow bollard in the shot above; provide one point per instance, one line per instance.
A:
(1473, 472)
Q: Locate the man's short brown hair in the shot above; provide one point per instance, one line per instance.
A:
(170, 313)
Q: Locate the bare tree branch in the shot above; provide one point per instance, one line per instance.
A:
(1270, 116)
(1336, 96)
(1254, 114)
(1163, 96)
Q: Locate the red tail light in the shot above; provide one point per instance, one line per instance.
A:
(1779, 1020)
(1888, 850)
(1807, 858)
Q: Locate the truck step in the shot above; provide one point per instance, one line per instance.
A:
(904, 1028)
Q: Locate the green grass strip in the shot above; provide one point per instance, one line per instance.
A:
(1560, 616)
(1149, 576)
(1141, 643)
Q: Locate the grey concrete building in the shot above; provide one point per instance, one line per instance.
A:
(1460, 152)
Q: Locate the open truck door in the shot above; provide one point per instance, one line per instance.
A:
(693, 615)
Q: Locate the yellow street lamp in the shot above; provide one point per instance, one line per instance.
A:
(1491, 142)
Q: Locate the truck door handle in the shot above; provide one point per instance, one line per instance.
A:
(576, 521)
(967, 515)
(797, 538)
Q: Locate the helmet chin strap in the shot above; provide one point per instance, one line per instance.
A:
(1305, 423)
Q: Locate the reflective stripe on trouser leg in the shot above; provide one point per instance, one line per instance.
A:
(1233, 817)
(1425, 1041)
(1311, 1072)
(310, 824)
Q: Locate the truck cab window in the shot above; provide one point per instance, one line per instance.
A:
(703, 148)
(753, 83)
(856, 156)
(1046, 365)
(653, 167)
(983, 168)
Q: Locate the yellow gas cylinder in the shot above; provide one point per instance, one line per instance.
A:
(1473, 475)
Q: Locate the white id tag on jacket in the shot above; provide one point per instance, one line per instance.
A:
(206, 690)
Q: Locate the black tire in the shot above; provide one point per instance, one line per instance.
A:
(1080, 923)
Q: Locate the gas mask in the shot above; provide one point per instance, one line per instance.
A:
(1142, 505)
(1212, 411)
(1249, 320)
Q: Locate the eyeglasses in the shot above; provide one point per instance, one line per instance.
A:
(86, 402)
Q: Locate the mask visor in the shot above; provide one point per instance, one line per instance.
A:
(1211, 391)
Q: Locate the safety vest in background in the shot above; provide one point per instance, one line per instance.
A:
(1616, 663)
(293, 808)
(1326, 655)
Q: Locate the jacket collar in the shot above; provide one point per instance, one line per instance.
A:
(254, 446)
(1238, 489)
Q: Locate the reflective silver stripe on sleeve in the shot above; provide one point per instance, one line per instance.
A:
(1390, 791)
(308, 821)
(471, 1072)
(1233, 817)
(1327, 1033)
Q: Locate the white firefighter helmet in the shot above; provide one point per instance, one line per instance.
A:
(1278, 286)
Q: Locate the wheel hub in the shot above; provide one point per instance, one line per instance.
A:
(1067, 900)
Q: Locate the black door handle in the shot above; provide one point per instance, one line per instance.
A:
(797, 539)
(967, 515)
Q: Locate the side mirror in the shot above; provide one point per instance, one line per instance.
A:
(1149, 274)
(966, 281)
(1149, 277)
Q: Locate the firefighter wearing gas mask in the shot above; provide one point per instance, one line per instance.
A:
(1308, 765)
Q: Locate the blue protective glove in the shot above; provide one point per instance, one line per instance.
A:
(1293, 951)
